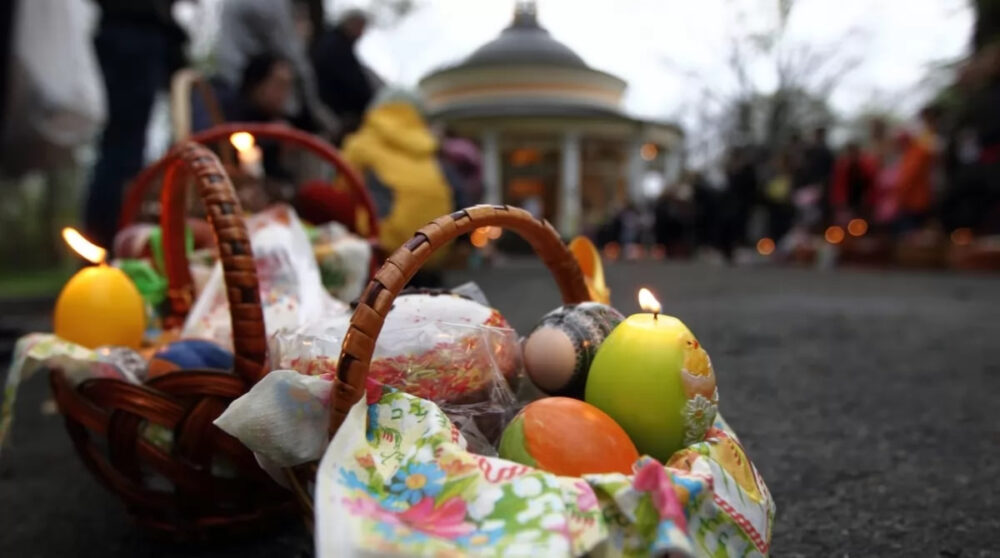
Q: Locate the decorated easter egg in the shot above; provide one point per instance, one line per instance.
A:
(653, 377)
(559, 351)
(190, 354)
(567, 437)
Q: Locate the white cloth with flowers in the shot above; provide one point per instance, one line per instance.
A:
(397, 480)
(446, 348)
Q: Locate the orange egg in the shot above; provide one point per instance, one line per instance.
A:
(568, 437)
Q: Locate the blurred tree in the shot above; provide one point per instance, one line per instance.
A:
(881, 106)
(778, 85)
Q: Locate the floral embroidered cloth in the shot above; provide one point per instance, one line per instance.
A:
(397, 480)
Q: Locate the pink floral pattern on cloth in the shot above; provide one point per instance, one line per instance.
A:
(446, 520)
(655, 480)
(397, 479)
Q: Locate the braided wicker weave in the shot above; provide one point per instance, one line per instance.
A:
(399, 268)
(203, 479)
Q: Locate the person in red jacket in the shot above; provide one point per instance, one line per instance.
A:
(914, 185)
(852, 191)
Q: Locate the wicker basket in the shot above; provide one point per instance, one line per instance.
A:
(179, 488)
(399, 268)
(144, 182)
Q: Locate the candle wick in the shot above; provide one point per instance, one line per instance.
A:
(655, 314)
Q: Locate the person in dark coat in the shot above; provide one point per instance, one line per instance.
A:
(739, 198)
(706, 206)
(343, 83)
(266, 85)
(138, 45)
(853, 186)
(818, 168)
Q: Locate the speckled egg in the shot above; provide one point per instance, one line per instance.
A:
(559, 351)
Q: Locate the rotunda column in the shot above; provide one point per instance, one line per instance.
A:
(634, 169)
(673, 162)
(491, 167)
(570, 205)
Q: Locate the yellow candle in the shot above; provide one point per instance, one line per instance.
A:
(99, 305)
(655, 380)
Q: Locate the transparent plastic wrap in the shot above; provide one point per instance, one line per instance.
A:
(448, 349)
(344, 260)
(291, 292)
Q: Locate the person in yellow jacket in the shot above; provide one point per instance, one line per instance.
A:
(397, 154)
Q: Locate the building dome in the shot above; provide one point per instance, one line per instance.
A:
(524, 41)
(523, 72)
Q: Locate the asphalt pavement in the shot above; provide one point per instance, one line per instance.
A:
(867, 399)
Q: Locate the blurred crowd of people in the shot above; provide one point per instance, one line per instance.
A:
(283, 61)
(278, 61)
(893, 182)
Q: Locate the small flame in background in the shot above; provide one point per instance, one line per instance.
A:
(962, 236)
(87, 249)
(612, 251)
(857, 227)
(765, 246)
(648, 302)
(834, 234)
(242, 141)
(648, 151)
(483, 235)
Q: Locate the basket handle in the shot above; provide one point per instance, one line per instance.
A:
(224, 213)
(399, 268)
(274, 131)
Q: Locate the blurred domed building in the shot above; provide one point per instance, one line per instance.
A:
(554, 137)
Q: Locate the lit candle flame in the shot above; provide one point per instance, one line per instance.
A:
(87, 249)
(648, 302)
(242, 141)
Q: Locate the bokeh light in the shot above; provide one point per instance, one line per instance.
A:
(765, 246)
(479, 238)
(635, 252)
(612, 251)
(961, 236)
(857, 227)
(648, 151)
(834, 234)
